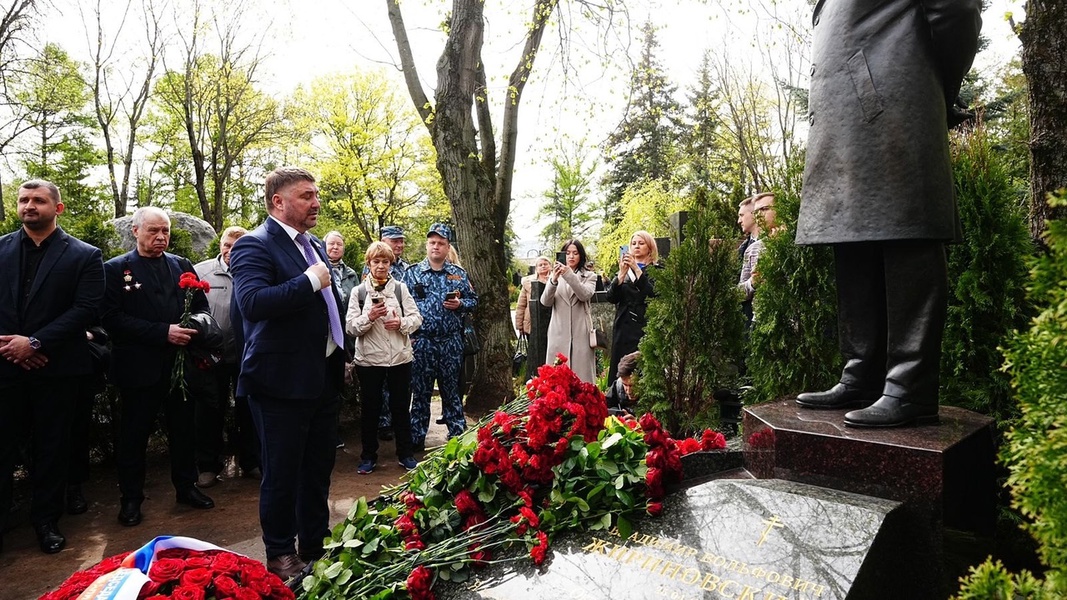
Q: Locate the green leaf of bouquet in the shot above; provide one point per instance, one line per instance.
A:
(354, 543)
(582, 504)
(605, 521)
(444, 574)
(371, 546)
(626, 497)
(461, 575)
(625, 527)
(344, 577)
(596, 491)
(309, 583)
(608, 466)
(485, 496)
(359, 509)
(620, 481)
(612, 440)
(333, 570)
(349, 532)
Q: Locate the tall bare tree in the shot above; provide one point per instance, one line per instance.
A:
(1044, 51)
(18, 17)
(122, 89)
(215, 96)
(477, 174)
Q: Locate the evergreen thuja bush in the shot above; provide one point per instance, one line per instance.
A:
(693, 342)
(987, 275)
(1036, 449)
(793, 346)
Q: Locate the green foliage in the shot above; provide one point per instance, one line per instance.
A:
(693, 342)
(181, 244)
(987, 275)
(95, 230)
(643, 144)
(794, 341)
(1036, 450)
(991, 581)
(567, 201)
(645, 205)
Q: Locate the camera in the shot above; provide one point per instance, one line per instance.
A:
(561, 257)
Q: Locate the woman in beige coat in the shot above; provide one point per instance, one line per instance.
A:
(522, 309)
(568, 291)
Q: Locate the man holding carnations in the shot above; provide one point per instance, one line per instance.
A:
(142, 310)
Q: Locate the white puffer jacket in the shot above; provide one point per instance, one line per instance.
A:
(376, 346)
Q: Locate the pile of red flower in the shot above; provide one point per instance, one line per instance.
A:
(535, 468)
(181, 574)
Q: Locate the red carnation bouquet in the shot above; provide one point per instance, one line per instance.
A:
(191, 284)
(174, 568)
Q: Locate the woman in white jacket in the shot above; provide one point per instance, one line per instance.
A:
(381, 316)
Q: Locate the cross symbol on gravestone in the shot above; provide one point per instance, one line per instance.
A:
(771, 524)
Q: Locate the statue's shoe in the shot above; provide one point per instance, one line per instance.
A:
(839, 396)
(892, 412)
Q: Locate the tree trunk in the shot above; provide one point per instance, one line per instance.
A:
(1044, 54)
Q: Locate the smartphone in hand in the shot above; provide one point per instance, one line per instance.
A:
(623, 251)
(453, 295)
(561, 258)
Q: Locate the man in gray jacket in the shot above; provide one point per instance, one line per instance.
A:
(219, 383)
(878, 187)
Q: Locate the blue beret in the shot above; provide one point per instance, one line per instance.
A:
(392, 231)
(440, 229)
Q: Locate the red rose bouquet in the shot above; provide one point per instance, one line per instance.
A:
(552, 461)
(174, 568)
(191, 284)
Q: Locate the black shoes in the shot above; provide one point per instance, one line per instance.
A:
(76, 503)
(195, 498)
(49, 538)
(839, 396)
(892, 412)
(286, 566)
(130, 513)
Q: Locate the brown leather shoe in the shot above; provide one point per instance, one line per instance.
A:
(286, 566)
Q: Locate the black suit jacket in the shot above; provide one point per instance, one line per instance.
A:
(138, 313)
(285, 322)
(64, 302)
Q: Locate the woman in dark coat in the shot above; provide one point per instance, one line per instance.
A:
(629, 291)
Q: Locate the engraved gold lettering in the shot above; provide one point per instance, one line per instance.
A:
(617, 550)
(758, 572)
(747, 594)
(787, 581)
(773, 577)
(711, 582)
(673, 567)
(651, 563)
(707, 558)
(818, 591)
(720, 561)
(744, 569)
(725, 584)
(596, 547)
(695, 573)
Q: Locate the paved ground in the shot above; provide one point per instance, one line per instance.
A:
(26, 573)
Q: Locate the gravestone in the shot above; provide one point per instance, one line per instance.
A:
(200, 230)
(731, 539)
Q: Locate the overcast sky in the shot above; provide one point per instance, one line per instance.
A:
(310, 38)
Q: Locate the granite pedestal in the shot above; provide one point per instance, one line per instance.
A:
(945, 471)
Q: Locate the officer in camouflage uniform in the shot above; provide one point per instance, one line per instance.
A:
(438, 344)
(394, 236)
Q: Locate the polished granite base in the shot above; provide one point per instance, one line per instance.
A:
(754, 540)
(944, 470)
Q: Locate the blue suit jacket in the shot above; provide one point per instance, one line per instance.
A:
(137, 313)
(285, 322)
(64, 302)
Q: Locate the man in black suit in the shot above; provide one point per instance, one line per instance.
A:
(50, 290)
(142, 308)
(293, 367)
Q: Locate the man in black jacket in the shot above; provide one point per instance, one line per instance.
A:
(142, 308)
(50, 290)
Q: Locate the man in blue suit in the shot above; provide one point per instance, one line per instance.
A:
(292, 368)
(50, 290)
(142, 308)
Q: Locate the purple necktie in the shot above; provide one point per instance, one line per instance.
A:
(327, 292)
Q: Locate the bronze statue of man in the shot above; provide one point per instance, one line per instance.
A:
(878, 186)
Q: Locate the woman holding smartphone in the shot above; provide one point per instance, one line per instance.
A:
(629, 291)
(381, 316)
(569, 289)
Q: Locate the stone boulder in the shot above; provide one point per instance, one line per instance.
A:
(200, 230)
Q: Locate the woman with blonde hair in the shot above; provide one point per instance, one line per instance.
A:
(381, 316)
(629, 291)
(569, 289)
